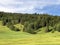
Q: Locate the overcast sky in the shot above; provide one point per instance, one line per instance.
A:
(31, 6)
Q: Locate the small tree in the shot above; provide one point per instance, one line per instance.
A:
(29, 28)
(4, 23)
(58, 28)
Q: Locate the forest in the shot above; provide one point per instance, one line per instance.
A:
(32, 22)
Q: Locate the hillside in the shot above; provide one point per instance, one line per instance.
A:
(31, 22)
(8, 37)
(29, 29)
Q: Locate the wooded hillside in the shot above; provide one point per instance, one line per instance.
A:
(31, 22)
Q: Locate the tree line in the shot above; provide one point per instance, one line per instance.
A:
(31, 22)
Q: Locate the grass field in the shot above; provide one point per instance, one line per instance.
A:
(8, 37)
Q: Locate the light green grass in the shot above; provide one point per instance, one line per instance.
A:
(8, 37)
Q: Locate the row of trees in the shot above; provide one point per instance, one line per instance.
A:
(31, 22)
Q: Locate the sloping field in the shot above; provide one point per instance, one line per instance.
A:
(8, 37)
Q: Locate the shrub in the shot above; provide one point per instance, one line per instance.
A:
(29, 28)
(3, 23)
(58, 28)
(12, 27)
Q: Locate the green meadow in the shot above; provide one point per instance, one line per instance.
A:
(9, 37)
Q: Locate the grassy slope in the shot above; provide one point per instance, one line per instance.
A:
(8, 37)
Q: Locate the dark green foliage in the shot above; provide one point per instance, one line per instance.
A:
(31, 22)
(29, 28)
(58, 27)
(48, 30)
(3, 23)
(53, 31)
(12, 27)
(19, 20)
